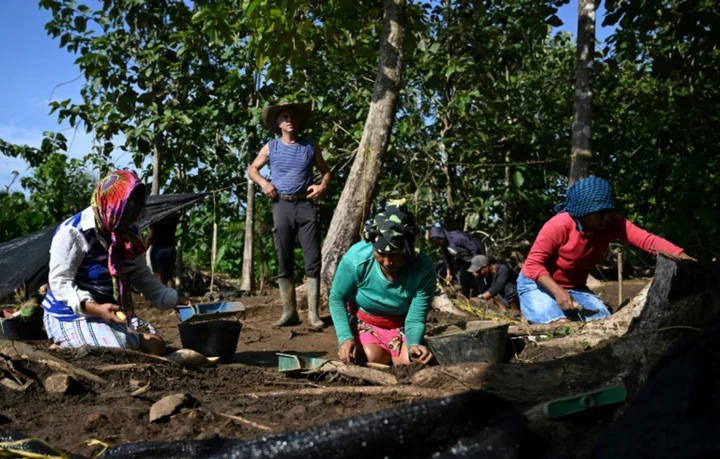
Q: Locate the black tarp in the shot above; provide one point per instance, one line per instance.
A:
(471, 424)
(26, 258)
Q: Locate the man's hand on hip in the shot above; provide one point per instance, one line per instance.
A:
(315, 192)
(269, 190)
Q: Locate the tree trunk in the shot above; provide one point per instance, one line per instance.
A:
(582, 110)
(446, 169)
(246, 283)
(360, 188)
(247, 267)
(506, 200)
(179, 266)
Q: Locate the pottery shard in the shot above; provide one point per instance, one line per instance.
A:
(167, 406)
(188, 358)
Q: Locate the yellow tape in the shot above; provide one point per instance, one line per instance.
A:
(465, 306)
(7, 449)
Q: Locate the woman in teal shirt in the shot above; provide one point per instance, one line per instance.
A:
(385, 290)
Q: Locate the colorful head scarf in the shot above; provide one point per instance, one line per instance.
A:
(109, 204)
(590, 195)
(393, 230)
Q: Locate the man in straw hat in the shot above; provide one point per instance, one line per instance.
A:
(294, 195)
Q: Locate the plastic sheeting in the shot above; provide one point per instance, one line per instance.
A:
(471, 424)
(26, 258)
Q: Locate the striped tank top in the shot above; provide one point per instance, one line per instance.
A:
(92, 276)
(291, 166)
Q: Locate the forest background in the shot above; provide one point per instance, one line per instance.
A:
(480, 131)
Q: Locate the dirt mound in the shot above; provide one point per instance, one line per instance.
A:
(108, 412)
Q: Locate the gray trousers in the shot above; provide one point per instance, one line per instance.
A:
(296, 219)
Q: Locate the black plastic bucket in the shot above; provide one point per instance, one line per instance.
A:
(217, 338)
(480, 341)
(24, 328)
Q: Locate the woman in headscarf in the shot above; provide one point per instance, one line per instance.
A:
(95, 258)
(552, 283)
(382, 292)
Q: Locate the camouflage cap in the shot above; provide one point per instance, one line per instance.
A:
(393, 230)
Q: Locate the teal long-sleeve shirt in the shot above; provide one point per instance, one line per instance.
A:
(359, 278)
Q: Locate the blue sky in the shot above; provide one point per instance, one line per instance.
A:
(36, 69)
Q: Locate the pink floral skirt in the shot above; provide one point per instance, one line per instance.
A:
(368, 331)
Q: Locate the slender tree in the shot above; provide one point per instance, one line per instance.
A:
(582, 109)
(359, 191)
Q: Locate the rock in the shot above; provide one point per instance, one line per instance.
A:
(593, 283)
(61, 383)
(208, 435)
(93, 419)
(331, 401)
(4, 419)
(444, 304)
(167, 406)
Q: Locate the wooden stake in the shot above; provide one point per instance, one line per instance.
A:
(123, 367)
(620, 279)
(246, 421)
(410, 391)
(366, 374)
(213, 252)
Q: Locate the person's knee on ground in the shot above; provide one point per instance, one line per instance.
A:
(376, 354)
(152, 344)
(403, 358)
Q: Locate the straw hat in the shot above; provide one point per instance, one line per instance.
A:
(271, 113)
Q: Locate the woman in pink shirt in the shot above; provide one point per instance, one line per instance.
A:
(552, 283)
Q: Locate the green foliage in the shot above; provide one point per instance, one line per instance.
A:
(482, 133)
(657, 118)
(487, 86)
(58, 188)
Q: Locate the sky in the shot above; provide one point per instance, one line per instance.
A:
(36, 70)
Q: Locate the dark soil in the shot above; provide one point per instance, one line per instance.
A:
(609, 291)
(110, 414)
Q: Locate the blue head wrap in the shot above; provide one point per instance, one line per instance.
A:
(586, 196)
